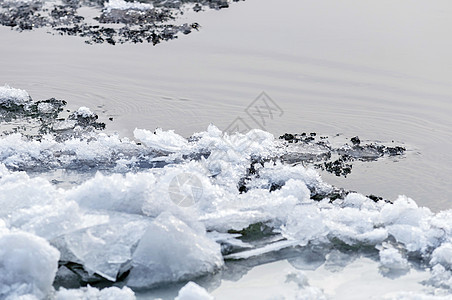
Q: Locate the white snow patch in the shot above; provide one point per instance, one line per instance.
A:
(84, 112)
(392, 259)
(91, 293)
(28, 265)
(12, 95)
(443, 255)
(161, 140)
(123, 5)
(115, 192)
(192, 291)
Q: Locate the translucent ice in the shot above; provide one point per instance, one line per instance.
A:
(103, 249)
(260, 251)
(171, 251)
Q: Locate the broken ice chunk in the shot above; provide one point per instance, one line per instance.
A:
(18, 190)
(10, 96)
(105, 248)
(443, 256)
(276, 246)
(305, 223)
(28, 265)
(48, 221)
(392, 259)
(161, 140)
(171, 251)
(192, 291)
(229, 241)
(115, 193)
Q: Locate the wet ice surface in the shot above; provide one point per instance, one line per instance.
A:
(98, 209)
(115, 21)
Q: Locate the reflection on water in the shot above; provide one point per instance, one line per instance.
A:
(305, 271)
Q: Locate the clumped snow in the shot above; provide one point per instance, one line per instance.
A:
(9, 96)
(192, 291)
(91, 293)
(123, 5)
(28, 265)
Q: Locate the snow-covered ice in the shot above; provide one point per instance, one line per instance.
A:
(28, 265)
(9, 96)
(91, 293)
(125, 5)
(192, 291)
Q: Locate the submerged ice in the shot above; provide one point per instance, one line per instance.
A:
(119, 222)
